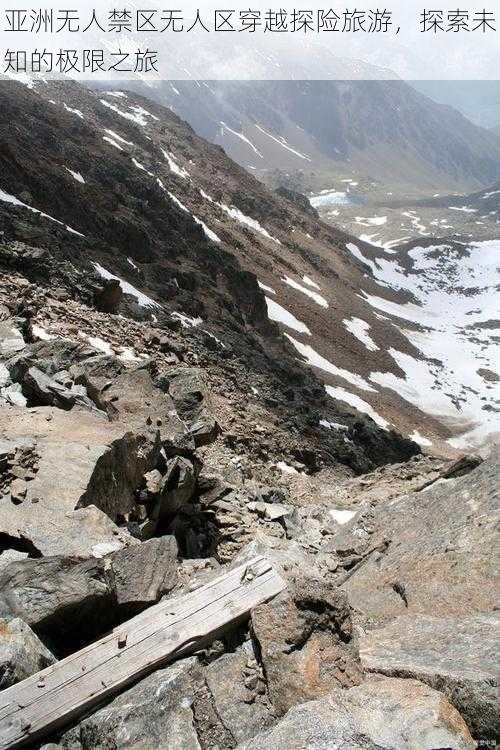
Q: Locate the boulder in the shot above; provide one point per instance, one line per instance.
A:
(428, 552)
(154, 713)
(236, 690)
(305, 642)
(41, 389)
(64, 599)
(381, 714)
(143, 574)
(100, 464)
(21, 652)
(455, 655)
(176, 488)
(189, 393)
(11, 338)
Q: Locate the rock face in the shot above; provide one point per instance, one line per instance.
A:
(303, 637)
(430, 551)
(154, 713)
(144, 573)
(63, 599)
(381, 714)
(454, 655)
(21, 652)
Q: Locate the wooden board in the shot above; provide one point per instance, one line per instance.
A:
(53, 697)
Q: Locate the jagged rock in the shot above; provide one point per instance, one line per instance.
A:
(99, 464)
(428, 552)
(176, 489)
(303, 638)
(381, 714)
(144, 573)
(40, 389)
(21, 652)
(11, 338)
(108, 298)
(236, 689)
(154, 713)
(454, 655)
(187, 388)
(64, 599)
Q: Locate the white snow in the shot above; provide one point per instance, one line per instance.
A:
(241, 137)
(142, 299)
(278, 313)
(330, 198)
(359, 328)
(74, 111)
(266, 288)
(286, 468)
(141, 167)
(316, 360)
(340, 394)
(7, 198)
(97, 343)
(118, 138)
(332, 425)
(373, 221)
(112, 142)
(420, 439)
(342, 516)
(310, 282)
(282, 142)
(129, 260)
(173, 166)
(235, 213)
(137, 114)
(41, 333)
(208, 232)
(186, 321)
(313, 295)
(456, 304)
(117, 94)
(76, 175)
(465, 209)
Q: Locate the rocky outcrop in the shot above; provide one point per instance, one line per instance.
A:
(455, 655)
(381, 714)
(305, 643)
(21, 652)
(426, 553)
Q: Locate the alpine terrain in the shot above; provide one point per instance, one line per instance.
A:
(249, 472)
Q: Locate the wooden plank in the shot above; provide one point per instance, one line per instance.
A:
(53, 697)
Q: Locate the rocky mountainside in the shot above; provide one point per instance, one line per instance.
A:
(187, 380)
(308, 134)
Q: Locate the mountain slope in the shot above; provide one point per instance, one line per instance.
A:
(306, 132)
(196, 228)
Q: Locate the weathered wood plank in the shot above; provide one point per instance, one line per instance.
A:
(56, 695)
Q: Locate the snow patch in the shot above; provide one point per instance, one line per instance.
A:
(313, 295)
(359, 328)
(340, 394)
(278, 313)
(142, 299)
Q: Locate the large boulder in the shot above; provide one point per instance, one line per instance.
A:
(99, 464)
(426, 553)
(22, 653)
(188, 390)
(144, 573)
(455, 655)
(305, 641)
(380, 714)
(65, 600)
(157, 712)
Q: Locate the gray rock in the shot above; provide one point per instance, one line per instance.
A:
(62, 599)
(428, 552)
(240, 709)
(176, 488)
(155, 713)
(11, 338)
(381, 714)
(41, 389)
(21, 652)
(188, 390)
(456, 656)
(144, 573)
(305, 642)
